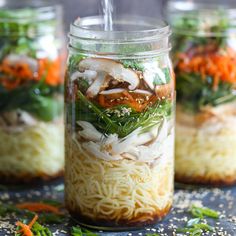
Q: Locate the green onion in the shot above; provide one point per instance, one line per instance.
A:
(204, 211)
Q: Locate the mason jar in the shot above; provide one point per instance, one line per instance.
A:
(119, 133)
(31, 94)
(204, 52)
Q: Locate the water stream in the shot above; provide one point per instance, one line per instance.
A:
(107, 8)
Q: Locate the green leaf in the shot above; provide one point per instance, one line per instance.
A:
(50, 218)
(133, 64)
(154, 234)
(194, 93)
(41, 230)
(77, 231)
(45, 108)
(38, 99)
(90, 112)
(193, 222)
(52, 202)
(204, 211)
(204, 227)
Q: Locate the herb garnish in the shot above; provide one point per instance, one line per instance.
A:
(196, 226)
(78, 231)
(45, 217)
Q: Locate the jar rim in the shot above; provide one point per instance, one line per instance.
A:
(207, 12)
(26, 10)
(29, 18)
(126, 29)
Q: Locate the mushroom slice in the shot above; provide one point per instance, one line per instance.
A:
(143, 92)
(97, 85)
(90, 75)
(89, 132)
(95, 150)
(112, 91)
(113, 68)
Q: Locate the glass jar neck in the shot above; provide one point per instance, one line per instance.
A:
(29, 20)
(201, 19)
(131, 37)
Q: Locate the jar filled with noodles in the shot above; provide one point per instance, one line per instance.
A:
(204, 51)
(119, 123)
(31, 94)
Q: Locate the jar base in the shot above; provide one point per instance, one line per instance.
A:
(28, 179)
(120, 226)
(205, 181)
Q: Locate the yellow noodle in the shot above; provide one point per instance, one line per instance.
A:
(116, 190)
(36, 150)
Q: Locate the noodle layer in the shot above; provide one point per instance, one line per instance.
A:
(117, 191)
(37, 151)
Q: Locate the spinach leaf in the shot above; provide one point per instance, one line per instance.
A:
(90, 112)
(133, 64)
(194, 92)
(39, 100)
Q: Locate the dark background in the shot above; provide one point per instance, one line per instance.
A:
(75, 8)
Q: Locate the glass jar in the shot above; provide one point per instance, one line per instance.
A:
(31, 94)
(119, 123)
(204, 51)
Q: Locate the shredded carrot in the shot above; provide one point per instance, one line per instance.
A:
(26, 229)
(138, 103)
(221, 66)
(38, 207)
(50, 69)
(21, 72)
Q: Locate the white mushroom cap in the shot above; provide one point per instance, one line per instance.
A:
(113, 68)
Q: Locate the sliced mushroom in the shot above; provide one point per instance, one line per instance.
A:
(113, 91)
(89, 75)
(95, 150)
(97, 85)
(89, 132)
(143, 92)
(17, 118)
(113, 68)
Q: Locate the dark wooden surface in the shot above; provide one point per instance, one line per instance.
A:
(221, 199)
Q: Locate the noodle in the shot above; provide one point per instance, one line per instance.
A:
(209, 148)
(211, 156)
(36, 151)
(123, 190)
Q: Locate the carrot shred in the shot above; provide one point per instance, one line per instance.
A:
(21, 73)
(221, 66)
(38, 207)
(51, 70)
(124, 98)
(26, 229)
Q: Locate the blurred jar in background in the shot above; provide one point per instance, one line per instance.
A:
(204, 51)
(31, 92)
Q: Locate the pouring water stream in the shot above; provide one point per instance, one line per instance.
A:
(107, 8)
